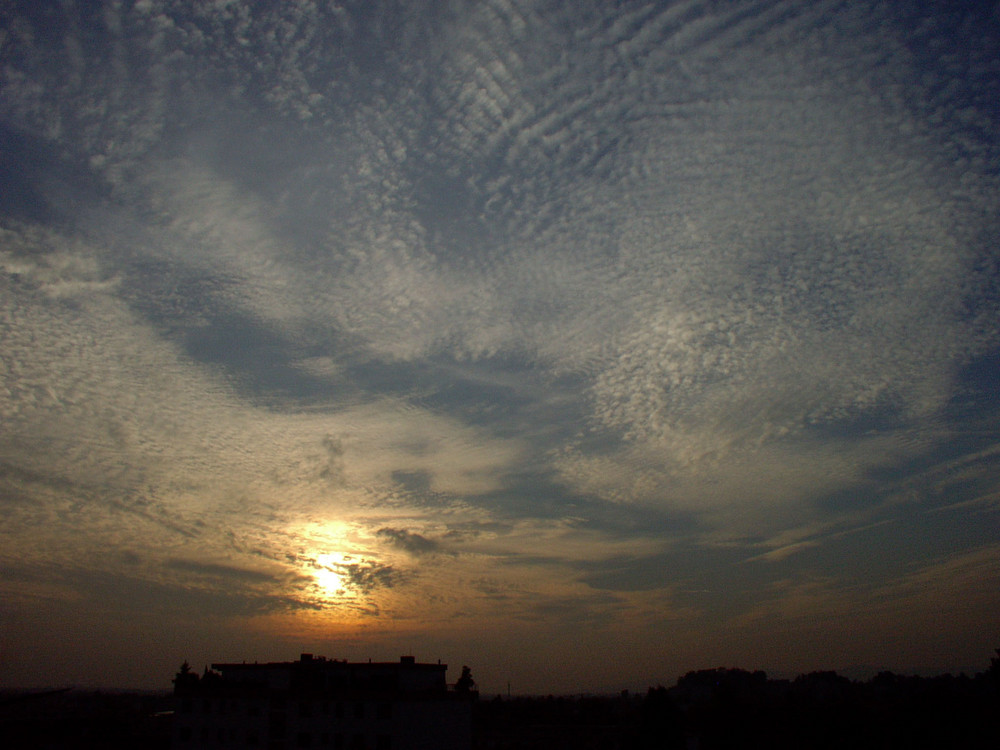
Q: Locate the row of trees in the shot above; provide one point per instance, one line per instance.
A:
(730, 708)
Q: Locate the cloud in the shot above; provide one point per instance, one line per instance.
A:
(569, 291)
(217, 570)
(782, 553)
(929, 588)
(934, 583)
(408, 541)
(368, 575)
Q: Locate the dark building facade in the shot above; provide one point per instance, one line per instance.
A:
(321, 703)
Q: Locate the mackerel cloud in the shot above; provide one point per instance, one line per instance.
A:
(437, 271)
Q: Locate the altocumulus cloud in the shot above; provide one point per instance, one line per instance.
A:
(414, 543)
(658, 317)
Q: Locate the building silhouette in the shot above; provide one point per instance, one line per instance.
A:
(321, 703)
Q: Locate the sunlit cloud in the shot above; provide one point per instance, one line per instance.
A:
(556, 319)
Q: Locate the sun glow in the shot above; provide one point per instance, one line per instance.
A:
(328, 576)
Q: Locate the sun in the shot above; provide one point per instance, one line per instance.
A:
(330, 581)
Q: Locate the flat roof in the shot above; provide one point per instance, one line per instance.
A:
(308, 659)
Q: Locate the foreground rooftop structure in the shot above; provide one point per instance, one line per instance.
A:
(317, 702)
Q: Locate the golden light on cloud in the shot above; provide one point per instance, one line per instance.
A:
(325, 555)
(343, 573)
(328, 576)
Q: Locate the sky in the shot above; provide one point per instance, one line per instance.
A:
(583, 343)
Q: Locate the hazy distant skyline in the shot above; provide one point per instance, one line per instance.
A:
(582, 343)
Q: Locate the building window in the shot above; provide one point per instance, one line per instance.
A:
(383, 742)
(384, 711)
(304, 740)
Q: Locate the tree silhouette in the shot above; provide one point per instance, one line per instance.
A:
(185, 677)
(465, 683)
